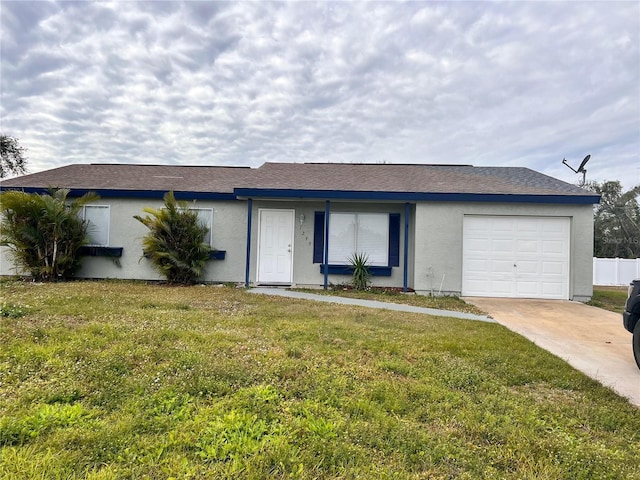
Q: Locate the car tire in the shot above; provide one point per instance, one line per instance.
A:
(636, 343)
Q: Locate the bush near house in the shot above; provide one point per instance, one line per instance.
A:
(175, 242)
(361, 275)
(45, 232)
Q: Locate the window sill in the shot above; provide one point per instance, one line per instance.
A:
(91, 251)
(217, 254)
(348, 270)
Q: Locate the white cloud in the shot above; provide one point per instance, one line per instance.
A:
(487, 83)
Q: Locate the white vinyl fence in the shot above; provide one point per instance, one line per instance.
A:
(615, 271)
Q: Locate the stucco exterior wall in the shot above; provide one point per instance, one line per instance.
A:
(439, 236)
(228, 233)
(435, 247)
(305, 272)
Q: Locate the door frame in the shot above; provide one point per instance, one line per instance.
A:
(258, 249)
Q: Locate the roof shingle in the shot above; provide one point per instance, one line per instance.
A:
(301, 176)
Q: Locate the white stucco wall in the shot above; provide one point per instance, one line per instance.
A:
(305, 272)
(228, 233)
(435, 251)
(439, 235)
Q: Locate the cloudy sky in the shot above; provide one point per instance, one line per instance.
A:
(222, 83)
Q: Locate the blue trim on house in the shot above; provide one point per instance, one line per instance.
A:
(217, 254)
(416, 196)
(157, 194)
(405, 276)
(97, 251)
(325, 256)
(334, 194)
(394, 240)
(321, 244)
(247, 267)
(348, 270)
(318, 238)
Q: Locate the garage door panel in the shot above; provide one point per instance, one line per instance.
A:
(501, 246)
(555, 225)
(502, 225)
(554, 290)
(480, 286)
(526, 226)
(516, 256)
(528, 267)
(555, 247)
(478, 265)
(501, 266)
(527, 289)
(554, 268)
(501, 288)
(527, 246)
(479, 245)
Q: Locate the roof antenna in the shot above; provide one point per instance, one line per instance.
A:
(580, 169)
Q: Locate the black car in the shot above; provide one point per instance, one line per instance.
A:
(631, 317)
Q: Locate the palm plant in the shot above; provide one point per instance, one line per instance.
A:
(361, 275)
(175, 242)
(45, 232)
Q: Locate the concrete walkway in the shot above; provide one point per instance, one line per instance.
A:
(590, 339)
(281, 292)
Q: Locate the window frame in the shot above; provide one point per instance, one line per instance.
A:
(339, 258)
(210, 226)
(108, 225)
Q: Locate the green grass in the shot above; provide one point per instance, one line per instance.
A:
(106, 380)
(609, 298)
(450, 303)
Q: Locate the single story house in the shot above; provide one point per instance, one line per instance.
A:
(436, 229)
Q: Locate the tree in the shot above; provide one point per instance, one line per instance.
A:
(616, 221)
(45, 232)
(175, 243)
(12, 157)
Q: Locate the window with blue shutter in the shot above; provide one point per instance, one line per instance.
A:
(357, 222)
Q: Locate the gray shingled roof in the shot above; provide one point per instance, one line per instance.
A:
(138, 177)
(302, 176)
(411, 178)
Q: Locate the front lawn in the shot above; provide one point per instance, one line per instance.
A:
(107, 380)
(609, 298)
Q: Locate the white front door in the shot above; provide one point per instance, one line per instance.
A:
(522, 257)
(275, 246)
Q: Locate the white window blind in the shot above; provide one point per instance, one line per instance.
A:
(342, 237)
(373, 237)
(98, 217)
(366, 233)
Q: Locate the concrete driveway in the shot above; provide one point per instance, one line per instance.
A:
(590, 339)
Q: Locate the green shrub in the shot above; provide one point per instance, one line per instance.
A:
(361, 275)
(175, 242)
(45, 232)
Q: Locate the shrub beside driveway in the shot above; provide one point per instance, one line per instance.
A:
(121, 379)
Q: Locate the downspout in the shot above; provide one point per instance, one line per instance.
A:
(325, 257)
(407, 209)
(248, 259)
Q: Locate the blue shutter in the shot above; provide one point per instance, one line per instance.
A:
(394, 239)
(318, 237)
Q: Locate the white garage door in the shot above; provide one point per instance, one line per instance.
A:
(525, 257)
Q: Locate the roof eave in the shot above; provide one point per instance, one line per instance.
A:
(121, 193)
(273, 193)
